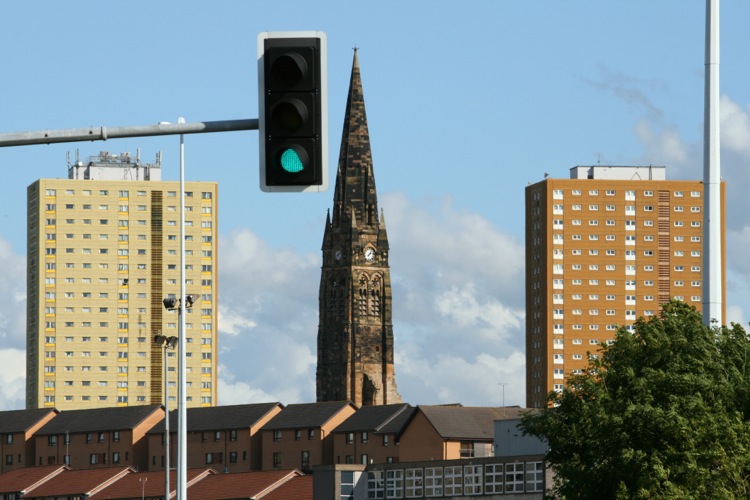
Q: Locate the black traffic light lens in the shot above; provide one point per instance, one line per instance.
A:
(289, 115)
(289, 68)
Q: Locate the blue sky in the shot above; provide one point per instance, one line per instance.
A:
(467, 102)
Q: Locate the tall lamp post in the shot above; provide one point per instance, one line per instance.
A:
(175, 304)
(181, 361)
(167, 343)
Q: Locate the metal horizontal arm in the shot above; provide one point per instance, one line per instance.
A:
(104, 133)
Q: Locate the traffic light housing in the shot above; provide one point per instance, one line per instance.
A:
(293, 105)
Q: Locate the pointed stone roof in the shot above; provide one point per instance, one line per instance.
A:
(355, 183)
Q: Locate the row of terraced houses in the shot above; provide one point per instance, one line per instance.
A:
(290, 440)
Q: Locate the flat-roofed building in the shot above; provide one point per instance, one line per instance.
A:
(603, 248)
(103, 252)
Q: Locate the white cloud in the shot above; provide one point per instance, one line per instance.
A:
(735, 126)
(12, 297)
(458, 310)
(12, 379)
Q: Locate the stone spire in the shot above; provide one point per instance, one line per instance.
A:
(355, 330)
(355, 183)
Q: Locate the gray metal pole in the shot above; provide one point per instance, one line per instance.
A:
(712, 221)
(166, 421)
(104, 133)
(182, 385)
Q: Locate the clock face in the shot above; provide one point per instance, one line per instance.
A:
(337, 255)
(369, 253)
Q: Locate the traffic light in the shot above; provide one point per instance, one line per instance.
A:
(293, 105)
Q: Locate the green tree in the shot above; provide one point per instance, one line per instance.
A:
(661, 413)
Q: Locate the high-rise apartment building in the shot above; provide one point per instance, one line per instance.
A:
(603, 248)
(103, 253)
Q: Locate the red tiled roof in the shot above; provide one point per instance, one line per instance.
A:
(297, 488)
(240, 484)
(150, 484)
(18, 480)
(78, 482)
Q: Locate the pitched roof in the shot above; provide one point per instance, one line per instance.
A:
(21, 480)
(379, 418)
(306, 415)
(215, 418)
(466, 422)
(97, 419)
(298, 487)
(241, 485)
(21, 420)
(78, 482)
(150, 484)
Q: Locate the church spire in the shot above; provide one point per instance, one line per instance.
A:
(355, 182)
(355, 330)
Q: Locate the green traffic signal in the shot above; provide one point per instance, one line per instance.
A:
(293, 111)
(291, 161)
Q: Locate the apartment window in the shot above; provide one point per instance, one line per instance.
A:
(277, 435)
(276, 460)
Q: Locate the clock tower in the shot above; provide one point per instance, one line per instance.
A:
(355, 330)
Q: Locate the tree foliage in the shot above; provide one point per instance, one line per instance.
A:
(661, 413)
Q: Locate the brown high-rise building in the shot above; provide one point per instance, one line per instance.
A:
(355, 333)
(603, 248)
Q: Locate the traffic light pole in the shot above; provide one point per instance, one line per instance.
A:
(164, 128)
(104, 133)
